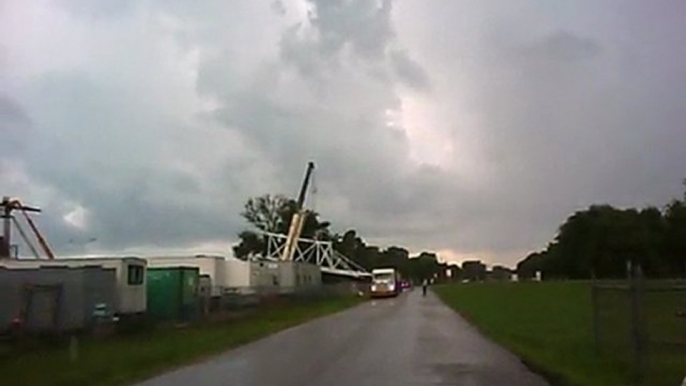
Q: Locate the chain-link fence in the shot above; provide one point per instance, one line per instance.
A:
(55, 301)
(236, 299)
(641, 326)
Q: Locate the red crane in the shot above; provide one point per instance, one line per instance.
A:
(10, 205)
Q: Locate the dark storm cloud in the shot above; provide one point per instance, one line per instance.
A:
(567, 121)
(15, 126)
(107, 154)
(98, 9)
(103, 156)
(579, 120)
(363, 25)
(563, 46)
(278, 7)
(338, 118)
(162, 118)
(409, 71)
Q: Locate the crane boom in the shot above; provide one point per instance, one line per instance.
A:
(306, 183)
(25, 237)
(41, 240)
(298, 220)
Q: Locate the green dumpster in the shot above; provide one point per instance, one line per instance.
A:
(172, 292)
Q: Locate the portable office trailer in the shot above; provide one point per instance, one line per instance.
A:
(55, 298)
(238, 276)
(297, 275)
(173, 292)
(266, 275)
(251, 276)
(212, 266)
(129, 273)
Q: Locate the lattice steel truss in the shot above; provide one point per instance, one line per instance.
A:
(316, 252)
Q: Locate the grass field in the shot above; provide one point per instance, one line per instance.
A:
(549, 325)
(123, 360)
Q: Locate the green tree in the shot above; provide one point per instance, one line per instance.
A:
(268, 212)
(652, 237)
(425, 266)
(395, 257)
(251, 243)
(273, 213)
(602, 239)
(369, 257)
(527, 268)
(348, 244)
(675, 237)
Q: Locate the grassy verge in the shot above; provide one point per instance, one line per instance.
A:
(127, 359)
(548, 325)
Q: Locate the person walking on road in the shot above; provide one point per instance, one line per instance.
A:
(425, 284)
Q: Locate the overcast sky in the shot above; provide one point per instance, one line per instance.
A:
(472, 128)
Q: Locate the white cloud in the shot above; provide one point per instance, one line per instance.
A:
(77, 217)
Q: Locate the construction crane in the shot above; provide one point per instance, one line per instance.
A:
(298, 220)
(8, 206)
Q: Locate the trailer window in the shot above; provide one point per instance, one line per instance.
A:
(135, 275)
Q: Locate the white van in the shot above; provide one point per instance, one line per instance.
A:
(384, 282)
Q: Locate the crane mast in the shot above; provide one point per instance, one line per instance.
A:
(298, 220)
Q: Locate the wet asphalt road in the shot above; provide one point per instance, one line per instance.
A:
(409, 340)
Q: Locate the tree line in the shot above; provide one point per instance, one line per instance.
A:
(602, 240)
(273, 213)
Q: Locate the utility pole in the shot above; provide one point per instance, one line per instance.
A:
(6, 230)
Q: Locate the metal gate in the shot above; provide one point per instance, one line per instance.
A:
(641, 326)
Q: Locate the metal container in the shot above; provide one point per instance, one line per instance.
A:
(129, 273)
(212, 266)
(295, 276)
(53, 299)
(173, 292)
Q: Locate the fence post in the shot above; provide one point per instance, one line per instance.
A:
(73, 348)
(637, 333)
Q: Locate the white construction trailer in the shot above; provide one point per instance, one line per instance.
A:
(130, 272)
(229, 274)
(269, 276)
(250, 276)
(294, 276)
(52, 299)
